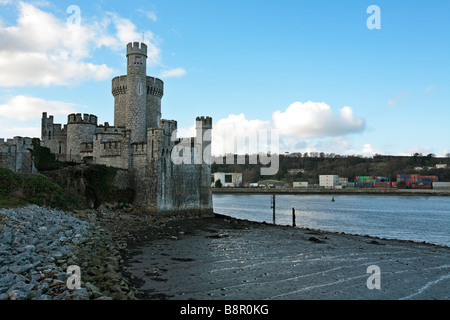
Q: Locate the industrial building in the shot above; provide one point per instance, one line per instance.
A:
(329, 181)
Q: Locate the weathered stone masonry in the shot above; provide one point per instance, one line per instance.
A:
(17, 155)
(140, 142)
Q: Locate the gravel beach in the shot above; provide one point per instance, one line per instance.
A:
(37, 246)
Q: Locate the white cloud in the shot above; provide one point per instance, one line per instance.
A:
(176, 72)
(234, 134)
(316, 119)
(237, 134)
(25, 108)
(303, 127)
(418, 149)
(41, 49)
(10, 132)
(149, 14)
(401, 97)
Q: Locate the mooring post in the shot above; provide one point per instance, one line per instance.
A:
(273, 207)
(293, 217)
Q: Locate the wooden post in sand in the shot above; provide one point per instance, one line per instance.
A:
(273, 207)
(293, 217)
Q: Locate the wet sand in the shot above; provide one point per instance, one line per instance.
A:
(223, 258)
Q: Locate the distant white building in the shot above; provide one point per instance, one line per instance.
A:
(233, 179)
(441, 166)
(329, 181)
(300, 184)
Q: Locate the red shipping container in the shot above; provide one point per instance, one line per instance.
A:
(381, 184)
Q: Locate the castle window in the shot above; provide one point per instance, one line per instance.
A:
(49, 135)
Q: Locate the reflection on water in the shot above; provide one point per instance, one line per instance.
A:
(421, 218)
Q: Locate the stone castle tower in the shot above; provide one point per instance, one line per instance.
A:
(141, 143)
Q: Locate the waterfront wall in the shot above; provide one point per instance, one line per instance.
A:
(411, 192)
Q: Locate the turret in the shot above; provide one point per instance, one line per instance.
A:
(203, 126)
(46, 127)
(136, 91)
(203, 136)
(80, 129)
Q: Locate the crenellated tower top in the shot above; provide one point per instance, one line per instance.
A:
(137, 48)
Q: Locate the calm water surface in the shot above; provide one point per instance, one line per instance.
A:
(417, 218)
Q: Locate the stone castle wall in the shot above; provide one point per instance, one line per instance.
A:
(17, 155)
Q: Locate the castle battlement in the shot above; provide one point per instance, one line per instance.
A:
(155, 87)
(111, 144)
(6, 142)
(139, 148)
(82, 119)
(86, 147)
(22, 142)
(137, 48)
(205, 121)
(169, 126)
(44, 116)
(119, 85)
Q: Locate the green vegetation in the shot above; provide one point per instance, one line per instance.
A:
(92, 183)
(99, 178)
(19, 189)
(218, 184)
(68, 188)
(44, 160)
(316, 164)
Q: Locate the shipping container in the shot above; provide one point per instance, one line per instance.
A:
(421, 185)
(441, 184)
(381, 184)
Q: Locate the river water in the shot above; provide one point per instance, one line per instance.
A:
(416, 218)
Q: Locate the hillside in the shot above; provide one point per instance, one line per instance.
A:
(344, 166)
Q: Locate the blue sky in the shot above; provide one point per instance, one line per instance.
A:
(312, 70)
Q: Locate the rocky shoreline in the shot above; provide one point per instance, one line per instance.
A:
(38, 244)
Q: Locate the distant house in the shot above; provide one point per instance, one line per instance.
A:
(295, 171)
(233, 179)
(296, 185)
(441, 166)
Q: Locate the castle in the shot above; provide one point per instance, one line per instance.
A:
(141, 143)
